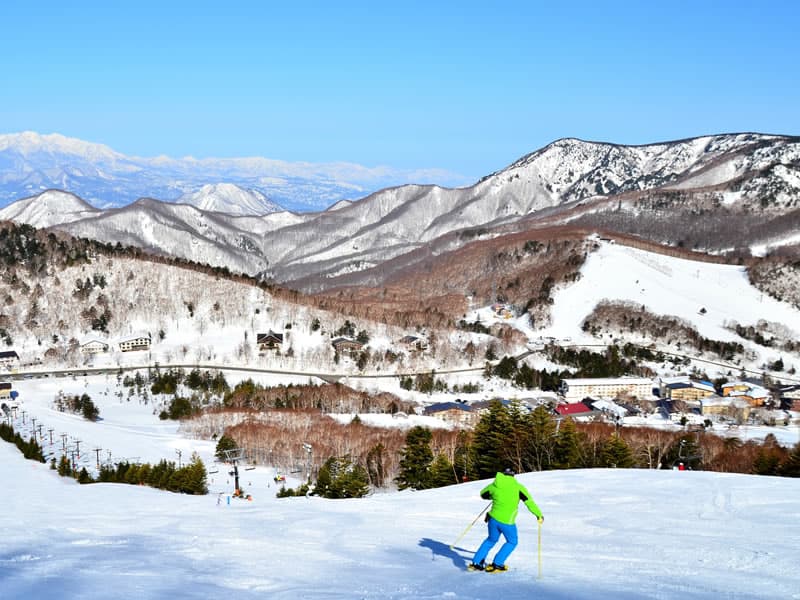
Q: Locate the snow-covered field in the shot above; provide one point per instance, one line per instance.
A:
(129, 429)
(607, 534)
(667, 286)
(711, 297)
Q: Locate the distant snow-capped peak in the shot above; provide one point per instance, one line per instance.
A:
(31, 163)
(30, 142)
(231, 199)
(49, 208)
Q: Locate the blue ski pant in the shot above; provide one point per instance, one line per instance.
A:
(495, 529)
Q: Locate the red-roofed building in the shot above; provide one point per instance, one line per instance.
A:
(574, 409)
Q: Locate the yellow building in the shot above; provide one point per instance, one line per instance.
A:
(733, 407)
(692, 390)
(733, 387)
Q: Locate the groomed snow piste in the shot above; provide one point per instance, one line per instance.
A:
(608, 534)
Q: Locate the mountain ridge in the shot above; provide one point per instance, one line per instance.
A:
(746, 185)
(31, 162)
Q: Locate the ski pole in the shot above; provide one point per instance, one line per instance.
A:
(540, 550)
(463, 533)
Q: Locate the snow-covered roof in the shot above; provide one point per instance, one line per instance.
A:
(134, 336)
(609, 381)
(744, 388)
(443, 406)
(263, 337)
(344, 340)
(667, 381)
(698, 385)
(715, 400)
(608, 406)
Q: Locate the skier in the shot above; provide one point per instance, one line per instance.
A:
(505, 492)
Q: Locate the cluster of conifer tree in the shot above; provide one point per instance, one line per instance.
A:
(340, 477)
(188, 479)
(508, 436)
(30, 449)
(167, 382)
(79, 404)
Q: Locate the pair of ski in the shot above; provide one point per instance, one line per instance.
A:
(488, 569)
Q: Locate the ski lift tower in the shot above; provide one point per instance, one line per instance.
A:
(234, 455)
(308, 449)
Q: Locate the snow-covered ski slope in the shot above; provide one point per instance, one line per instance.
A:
(667, 286)
(608, 534)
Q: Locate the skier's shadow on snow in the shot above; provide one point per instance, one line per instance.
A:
(440, 549)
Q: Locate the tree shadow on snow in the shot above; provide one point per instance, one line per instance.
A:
(441, 549)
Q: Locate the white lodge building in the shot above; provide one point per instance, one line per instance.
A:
(575, 390)
(133, 343)
(94, 347)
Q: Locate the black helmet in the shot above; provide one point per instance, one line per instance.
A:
(508, 471)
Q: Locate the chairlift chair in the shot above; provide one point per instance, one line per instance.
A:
(234, 455)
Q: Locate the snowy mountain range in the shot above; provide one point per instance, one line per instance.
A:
(31, 163)
(745, 186)
(231, 199)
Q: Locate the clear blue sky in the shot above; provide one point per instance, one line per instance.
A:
(465, 86)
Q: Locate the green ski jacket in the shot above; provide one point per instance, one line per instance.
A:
(506, 492)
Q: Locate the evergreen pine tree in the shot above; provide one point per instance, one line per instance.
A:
(767, 461)
(616, 453)
(194, 477)
(143, 474)
(166, 481)
(88, 408)
(791, 466)
(132, 475)
(352, 482)
(324, 478)
(64, 467)
(518, 438)
(84, 477)
(490, 441)
(107, 474)
(225, 443)
(416, 460)
(567, 449)
(542, 428)
(339, 477)
(442, 472)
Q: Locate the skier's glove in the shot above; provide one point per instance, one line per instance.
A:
(541, 520)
